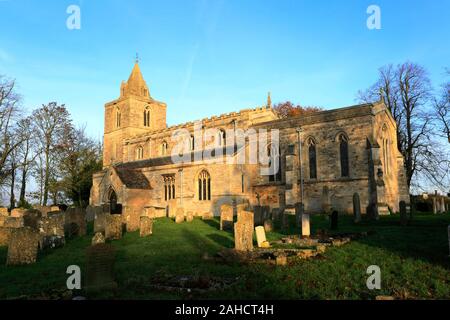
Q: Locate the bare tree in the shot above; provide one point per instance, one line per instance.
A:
(9, 108)
(442, 110)
(53, 126)
(407, 92)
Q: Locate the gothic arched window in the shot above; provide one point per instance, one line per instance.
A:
(169, 187)
(146, 118)
(118, 118)
(204, 186)
(312, 157)
(221, 138)
(164, 147)
(343, 155)
(192, 142)
(274, 155)
(139, 153)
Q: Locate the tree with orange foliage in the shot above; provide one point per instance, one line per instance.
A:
(288, 109)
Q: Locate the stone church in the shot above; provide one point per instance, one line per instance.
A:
(324, 159)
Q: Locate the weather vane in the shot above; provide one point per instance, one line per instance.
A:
(137, 57)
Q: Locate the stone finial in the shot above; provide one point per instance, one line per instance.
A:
(381, 93)
(269, 101)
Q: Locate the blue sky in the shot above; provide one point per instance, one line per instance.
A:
(210, 57)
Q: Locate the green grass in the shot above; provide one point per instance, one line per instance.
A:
(414, 263)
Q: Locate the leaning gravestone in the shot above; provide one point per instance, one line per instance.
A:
(356, 208)
(258, 214)
(268, 225)
(146, 226)
(403, 213)
(179, 216)
(98, 238)
(100, 260)
(100, 222)
(113, 228)
(261, 237)
(334, 220)
(23, 246)
(243, 231)
(226, 217)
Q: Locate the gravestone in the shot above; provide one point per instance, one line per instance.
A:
(98, 238)
(207, 216)
(190, 216)
(261, 237)
(403, 213)
(146, 226)
(53, 224)
(75, 224)
(241, 207)
(243, 231)
(268, 225)
(435, 205)
(226, 217)
(443, 205)
(11, 222)
(23, 246)
(91, 212)
(5, 234)
(258, 214)
(334, 220)
(265, 213)
(299, 209)
(131, 218)
(4, 212)
(306, 228)
(32, 218)
(18, 212)
(276, 214)
(100, 222)
(2, 220)
(52, 242)
(100, 260)
(179, 216)
(356, 208)
(113, 228)
(285, 221)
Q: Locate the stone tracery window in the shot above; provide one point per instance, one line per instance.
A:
(118, 118)
(221, 138)
(169, 187)
(204, 186)
(312, 157)
(343, 155)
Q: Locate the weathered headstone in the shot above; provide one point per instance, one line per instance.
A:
(403, 213)
(443, 204)
(334, 220)
(299, 209)
(241, 207)
(5, 234)
(268, 225)
(98, 238)
(265, 213)
(100, 260)
(356, 208)
(261, 237)
(4, 212)
(179, 217)
(53, 224)
(18, 212)
(285, 221)
(189, 216)
(258, 214)
(306, 228)
(23, 246)
(91, 211)
(75, 222)
(113, 228)
(276, 214)
(100, 222)
(132, 218)
(11, 222)
(207, 215)
(243, 231)
(146, 226)
(226, 217)
(32, 218)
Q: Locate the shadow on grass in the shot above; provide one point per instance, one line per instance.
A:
(221, 240)
(212, 223)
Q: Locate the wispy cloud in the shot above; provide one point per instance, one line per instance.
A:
(188, 72)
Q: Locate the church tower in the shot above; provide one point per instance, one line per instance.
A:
(135, 112)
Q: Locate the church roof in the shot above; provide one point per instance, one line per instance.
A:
(133, 179)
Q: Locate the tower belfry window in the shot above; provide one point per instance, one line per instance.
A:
(146, 118)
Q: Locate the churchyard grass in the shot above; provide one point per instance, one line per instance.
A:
(413, 259)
